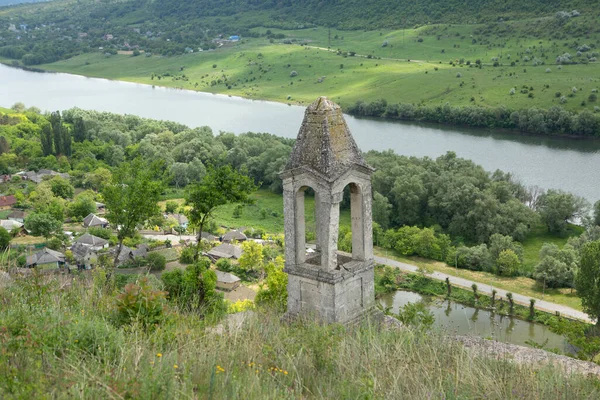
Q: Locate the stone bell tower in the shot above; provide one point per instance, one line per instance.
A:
(325, 158)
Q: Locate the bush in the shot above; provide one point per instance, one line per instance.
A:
(140, 303)
(293, 74)
(223, 264)
(103, 233)
(187, 255)
(508, 263)
(4, 238)
(156, 261)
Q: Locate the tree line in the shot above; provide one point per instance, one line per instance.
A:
(553, 121)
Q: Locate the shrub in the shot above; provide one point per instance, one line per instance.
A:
(293, 74)
(171, 207)
(140, 303)
(223, 264)
(508, 263)
(156, 261)
(187, 255)
(103, 233)
(4, 238)
(458, 75)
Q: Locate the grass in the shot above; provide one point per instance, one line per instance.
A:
(272, 203)
(62, 341)
(4, 214)
(521, 285)
(258, 69)
(536, 239)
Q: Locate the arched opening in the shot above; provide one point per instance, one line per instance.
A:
(306, 199)
(353, 202)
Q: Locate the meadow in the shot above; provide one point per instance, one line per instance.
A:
(61, 339)
(427, 65)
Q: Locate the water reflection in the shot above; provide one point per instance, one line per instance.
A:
(459, 319)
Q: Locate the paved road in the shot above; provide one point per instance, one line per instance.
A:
(487, 289)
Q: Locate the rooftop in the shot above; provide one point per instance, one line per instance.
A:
(325, 144)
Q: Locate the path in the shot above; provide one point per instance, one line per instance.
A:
(487, 289)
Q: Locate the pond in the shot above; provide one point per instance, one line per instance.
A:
(458, 319)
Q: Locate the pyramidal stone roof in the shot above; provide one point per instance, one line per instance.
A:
(325, 144)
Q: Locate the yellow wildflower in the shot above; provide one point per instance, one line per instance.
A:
(175, 366)
(159, 355)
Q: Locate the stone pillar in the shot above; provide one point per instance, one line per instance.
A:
(358, 222)
(289, 213)
(329, 222)
(300, 227)
(367, 201)
(317, 227)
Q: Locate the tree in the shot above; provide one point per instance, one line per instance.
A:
(557, 208)
(382, 209)
(81, 207)
(275, 293)
(46, 139)
(79, 130)
(42, 224)
(557, 266)
(156, 261)
(218, 187)
(4, 238)
(171, 207)
(61, 187)
(252, 257)
(587, 281)
(508, 263)
(131, 197)
(57, 132)
(499, 243)
(597, 213)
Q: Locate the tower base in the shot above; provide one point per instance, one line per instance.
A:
(343, 295)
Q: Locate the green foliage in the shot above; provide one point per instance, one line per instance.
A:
(140, 303)
(61, 187)
(557, 208)
(156, 261)
(224, 264)
(187, 255)
(195, 288)
(4, 238)
(104, 233)
(424, 242)
(81, 207)
(171, 207)
(251, 259)
(42, 224)
(275, 293)
(508, 263)
(220, 186)
(587, 280)
(476, 258)
(557, 266)
(417, 316)
(132, 196)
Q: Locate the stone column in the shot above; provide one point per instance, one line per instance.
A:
(300, 227)
(358, 222)
(289, 212)
(367, 201)
(329, 222)
(317, 226)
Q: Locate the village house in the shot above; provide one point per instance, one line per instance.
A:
(225, 250)
(227, 281)
(37, 177)
(100, 207)
(85, 256)
(46, 259)
(13, 227)
(234, 236)
(17, 215)
(6, 202)
(208, 237)
(129, 255)
(93, 242)
(93, 220)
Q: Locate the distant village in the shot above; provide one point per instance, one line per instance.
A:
(82, 250)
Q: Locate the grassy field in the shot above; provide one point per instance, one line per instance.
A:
(258, 69)
(272, 203)
(536, 239)
(63, 340)
(521, 285)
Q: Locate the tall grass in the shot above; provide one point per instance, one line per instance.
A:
(58, 339)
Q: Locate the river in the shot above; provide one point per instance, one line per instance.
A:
(568, 164)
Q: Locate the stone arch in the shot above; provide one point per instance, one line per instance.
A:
(358, 218)
(300, 221)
